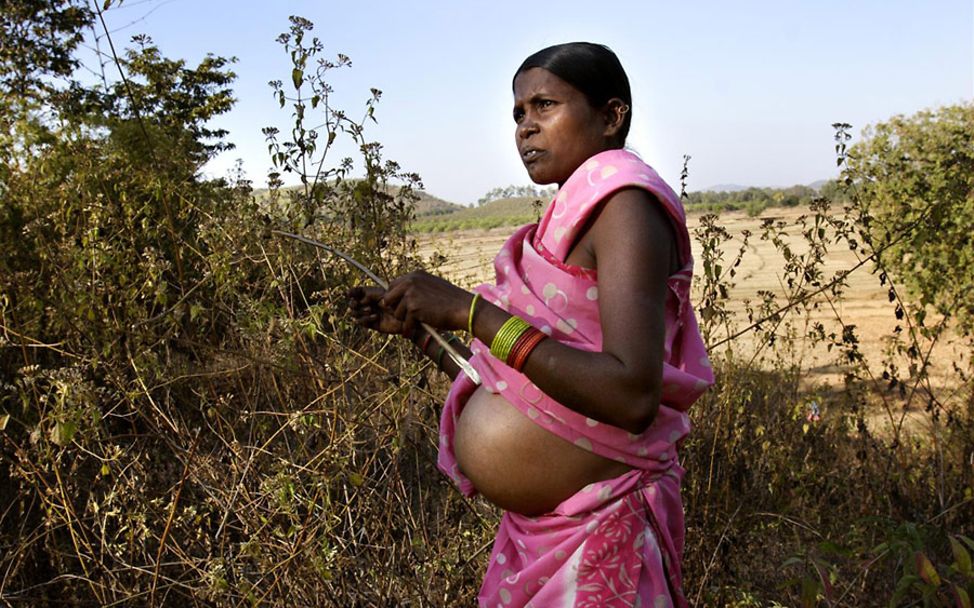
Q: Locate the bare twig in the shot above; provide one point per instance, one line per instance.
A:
(462, 363)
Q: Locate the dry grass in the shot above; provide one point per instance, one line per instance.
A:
(296, 465)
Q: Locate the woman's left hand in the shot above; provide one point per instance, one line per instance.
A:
(419, 297)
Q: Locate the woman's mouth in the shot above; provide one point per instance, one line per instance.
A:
(530, 155)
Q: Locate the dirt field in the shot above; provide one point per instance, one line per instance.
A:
(864, 303)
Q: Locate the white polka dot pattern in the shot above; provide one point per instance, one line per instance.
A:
(563, 302)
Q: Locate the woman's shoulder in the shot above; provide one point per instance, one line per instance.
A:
(596, 181)
(607, 171)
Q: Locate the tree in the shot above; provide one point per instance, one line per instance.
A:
(914, 177)
(513, 191)
(38, 38)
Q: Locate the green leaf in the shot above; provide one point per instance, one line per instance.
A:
(902, 587)
(297, 75)
(3, 421)
(962, 559)
(63, 433)
(809, 593)
(926, 570)
(826, 583)
(961, 599)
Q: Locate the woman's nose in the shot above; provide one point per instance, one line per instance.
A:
(526, 127)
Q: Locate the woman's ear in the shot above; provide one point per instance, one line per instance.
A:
(615, 116)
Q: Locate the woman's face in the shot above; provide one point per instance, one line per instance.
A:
(557, 129)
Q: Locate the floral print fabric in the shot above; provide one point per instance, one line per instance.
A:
(613, 543)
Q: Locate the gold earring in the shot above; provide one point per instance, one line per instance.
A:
(624, 108)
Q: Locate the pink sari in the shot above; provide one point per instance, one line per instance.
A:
(617, 542)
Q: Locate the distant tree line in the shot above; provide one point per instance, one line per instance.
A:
(755, 200)
(513, 191)
(752, 200)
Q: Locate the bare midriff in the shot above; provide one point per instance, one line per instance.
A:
(516, 464)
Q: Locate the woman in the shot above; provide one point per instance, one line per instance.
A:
(588, 350)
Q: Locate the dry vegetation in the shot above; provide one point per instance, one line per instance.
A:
(187, 417)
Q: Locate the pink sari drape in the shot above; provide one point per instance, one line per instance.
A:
(613, 543)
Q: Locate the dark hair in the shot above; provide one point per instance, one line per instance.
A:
(591, 68)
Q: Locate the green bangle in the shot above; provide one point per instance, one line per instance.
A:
(439, 353)
(507, 335)
(473, 308)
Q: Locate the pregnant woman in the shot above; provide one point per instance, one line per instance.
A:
(588, 351)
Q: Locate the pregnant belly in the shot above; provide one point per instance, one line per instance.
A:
(516, 464)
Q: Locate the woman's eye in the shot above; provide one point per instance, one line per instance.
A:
(545, 103)
(518, 115)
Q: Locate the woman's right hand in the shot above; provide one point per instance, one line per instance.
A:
(364, 303)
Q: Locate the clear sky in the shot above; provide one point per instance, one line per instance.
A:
(749, 89)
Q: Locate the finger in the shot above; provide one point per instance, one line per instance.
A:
(409, 321)
(357, 309)
(409, 327)
(389, 325)
(393, 296)
(402, 310)
(363, 304)
(371, 294)
(356, 295)
(365, 313)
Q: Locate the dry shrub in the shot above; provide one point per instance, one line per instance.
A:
(855, 488)
(189, 420)
(188, 417)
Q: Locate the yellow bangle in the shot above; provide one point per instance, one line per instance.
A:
(473, 308)
(506, 336)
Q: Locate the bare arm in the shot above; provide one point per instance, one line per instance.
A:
(632, 241)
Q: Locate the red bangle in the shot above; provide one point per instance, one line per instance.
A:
(517, 350)
(426, 343)
(523, 347)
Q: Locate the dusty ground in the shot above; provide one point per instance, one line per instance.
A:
(864, 303)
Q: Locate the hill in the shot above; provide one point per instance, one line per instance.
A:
(427, 205)
(816, 185)
(725, 188)
(431, 206)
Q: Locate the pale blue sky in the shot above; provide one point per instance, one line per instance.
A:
(749, 89)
